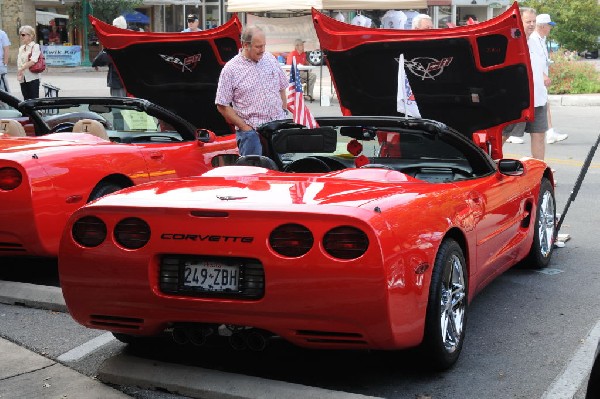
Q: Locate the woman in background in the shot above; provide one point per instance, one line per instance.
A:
(29, 52)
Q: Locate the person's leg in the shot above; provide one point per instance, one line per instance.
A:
(34, 87)
(551, 135)
(513, 133)
(25, 91)
(312, 78)
(4, 83)
(538, 145)
(537, 129)
(248, 143)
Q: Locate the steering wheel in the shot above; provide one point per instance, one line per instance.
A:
(307, 165)
(62, 127)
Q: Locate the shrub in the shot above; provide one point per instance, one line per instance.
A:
(571, 76)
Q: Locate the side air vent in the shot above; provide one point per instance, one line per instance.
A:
(129, 323)
(332, 337)
(11, 247)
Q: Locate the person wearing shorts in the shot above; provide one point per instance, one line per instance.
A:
(536, 128)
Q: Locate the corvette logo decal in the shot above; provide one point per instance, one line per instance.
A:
(182, 61)
(230, 197)
(427, 67)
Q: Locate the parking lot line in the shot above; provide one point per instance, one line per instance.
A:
(85, 349)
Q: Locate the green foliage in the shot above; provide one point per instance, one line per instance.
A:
(577, 21)
(104, 10)
(572, 76)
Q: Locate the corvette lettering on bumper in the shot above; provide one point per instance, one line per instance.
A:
(208, 237)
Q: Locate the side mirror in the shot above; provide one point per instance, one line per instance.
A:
(511, 167)
(224, 160)
(205, 136)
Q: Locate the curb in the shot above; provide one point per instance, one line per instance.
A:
(197, 382)
(575, 100)
(32, 295)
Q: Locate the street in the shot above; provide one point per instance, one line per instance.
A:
(528, 335)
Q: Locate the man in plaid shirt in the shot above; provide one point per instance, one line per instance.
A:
(251, 90)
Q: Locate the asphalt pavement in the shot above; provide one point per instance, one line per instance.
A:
(26, 374)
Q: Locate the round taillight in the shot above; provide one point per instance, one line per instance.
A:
(292, 240)
(10, 178)
(345, 242)
(89, 231)
(132, 233)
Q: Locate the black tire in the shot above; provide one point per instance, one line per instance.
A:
(446, 318)
(544, 228)
(104, 189)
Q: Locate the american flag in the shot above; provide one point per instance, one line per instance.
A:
(295, 100)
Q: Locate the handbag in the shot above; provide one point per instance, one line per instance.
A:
(40, 65)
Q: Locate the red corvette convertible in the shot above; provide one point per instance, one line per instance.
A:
(120, 143)
(368, 232)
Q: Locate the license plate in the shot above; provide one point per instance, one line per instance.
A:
(211, 276)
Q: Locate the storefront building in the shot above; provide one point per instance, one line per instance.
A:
(50, 18)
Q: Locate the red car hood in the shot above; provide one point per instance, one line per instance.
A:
(178, 71)
(250, 188)
(471, 78)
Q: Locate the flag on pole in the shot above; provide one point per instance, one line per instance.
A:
(406, 102)
(295, 100)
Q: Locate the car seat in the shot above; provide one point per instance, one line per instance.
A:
(92, 127)
(12, 128)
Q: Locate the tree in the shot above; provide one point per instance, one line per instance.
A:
(104, 10)
(577, 25)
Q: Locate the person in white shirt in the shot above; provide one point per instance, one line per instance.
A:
(4, 47)
(361, 20)
(543, 26)
(422, 21)
(536, 128)
(393, 19)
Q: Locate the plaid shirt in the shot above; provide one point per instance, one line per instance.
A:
(253, 88)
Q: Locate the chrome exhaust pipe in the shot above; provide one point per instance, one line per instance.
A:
(237, 341)
(256, 340)
(198, 336)
(180, 336)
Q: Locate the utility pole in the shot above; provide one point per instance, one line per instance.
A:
(86, 8)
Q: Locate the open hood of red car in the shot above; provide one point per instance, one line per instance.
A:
(471, 78)
(178, 71)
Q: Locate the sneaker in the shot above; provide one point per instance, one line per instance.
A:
(553, 137)
(515, 140)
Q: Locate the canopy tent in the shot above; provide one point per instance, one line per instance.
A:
(281, 32)
(45, 17)
(272, 5)
(374, 4)
(275, 5)
(137, 17)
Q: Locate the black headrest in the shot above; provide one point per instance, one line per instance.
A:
(256, 160)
